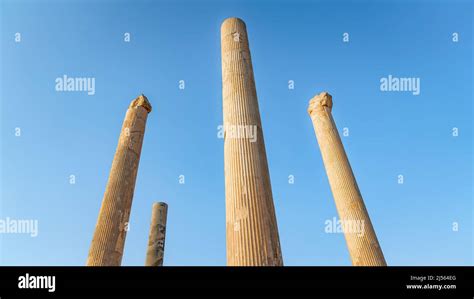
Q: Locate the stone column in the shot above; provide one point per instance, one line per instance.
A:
(251, 226)
(363, 245)
(156, 239)
(112, 224)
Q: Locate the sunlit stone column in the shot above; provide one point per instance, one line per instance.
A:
(111, 228)
(156, 239)
(364, 247)
(251, 226)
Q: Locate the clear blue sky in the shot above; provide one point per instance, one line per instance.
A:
(390, 133)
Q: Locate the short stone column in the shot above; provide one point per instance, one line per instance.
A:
(156, 239)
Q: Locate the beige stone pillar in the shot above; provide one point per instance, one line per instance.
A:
(364, 247)
(112, 224)
(156, 239)
(251, 226)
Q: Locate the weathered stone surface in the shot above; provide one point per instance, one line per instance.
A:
(111, 228)
(141, 101)
(156, 239)
(364, 248)
(251, 225)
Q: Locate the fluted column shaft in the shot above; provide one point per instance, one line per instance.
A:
(156, 239)
(251, 226)
(111, 228)
(364, 247)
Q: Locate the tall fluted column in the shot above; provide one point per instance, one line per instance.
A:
(156, 239)
(364, 247)
(112, 224)
(251, 226)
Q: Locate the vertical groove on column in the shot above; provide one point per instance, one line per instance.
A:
(110, 232)
(251, 226)
(364, 247)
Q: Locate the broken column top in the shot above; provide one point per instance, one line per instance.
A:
(141, 100)
(163, 204)
(324, 99)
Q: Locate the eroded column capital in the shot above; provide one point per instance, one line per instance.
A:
(157, 205)
(233, 25)
(141, 100)
(234, 37)
(318, 102)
